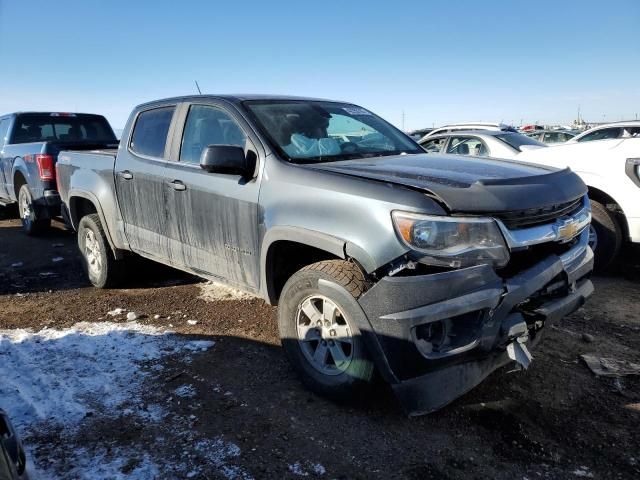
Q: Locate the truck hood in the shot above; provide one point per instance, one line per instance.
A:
(469, 184)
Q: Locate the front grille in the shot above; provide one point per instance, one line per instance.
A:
(528, 257)
(537, 216)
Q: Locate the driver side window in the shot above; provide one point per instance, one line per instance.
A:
(207, 125)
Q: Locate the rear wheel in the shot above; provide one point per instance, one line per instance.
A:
(31, 224)
(102, 268)
(318, 330)
(605, 236)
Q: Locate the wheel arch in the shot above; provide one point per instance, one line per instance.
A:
(83, 203)
(285, 250)
(20, 177)
(608, 201)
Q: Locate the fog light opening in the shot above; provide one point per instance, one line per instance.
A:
(432, 334)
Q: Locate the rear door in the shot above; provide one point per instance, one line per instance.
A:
(140, 182)
(213, 217)
(4, 181)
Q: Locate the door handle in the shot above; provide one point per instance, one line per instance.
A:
(127, 175)
(178, 185)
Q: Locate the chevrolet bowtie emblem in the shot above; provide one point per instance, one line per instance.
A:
(568, 230)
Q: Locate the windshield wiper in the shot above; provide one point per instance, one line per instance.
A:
(353, 156)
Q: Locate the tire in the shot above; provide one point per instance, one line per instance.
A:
(101, 267)
(342, 367)
(31, 224)
(605, 236)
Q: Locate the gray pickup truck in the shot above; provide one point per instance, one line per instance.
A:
(433, 270)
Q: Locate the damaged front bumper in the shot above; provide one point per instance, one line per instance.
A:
(434, 337)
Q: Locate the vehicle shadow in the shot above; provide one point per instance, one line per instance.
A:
(52, 262)
(627, 265)
(9, 212)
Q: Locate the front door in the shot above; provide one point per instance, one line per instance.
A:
(213, 217)
(140, 182)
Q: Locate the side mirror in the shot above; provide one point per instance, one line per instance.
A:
(227, 159)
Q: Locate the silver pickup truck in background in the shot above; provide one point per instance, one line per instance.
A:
(434, 270)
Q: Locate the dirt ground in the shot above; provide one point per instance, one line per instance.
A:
(556, 420)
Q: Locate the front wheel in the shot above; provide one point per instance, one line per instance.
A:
(31, 224)
(102, 268)
(318, 329)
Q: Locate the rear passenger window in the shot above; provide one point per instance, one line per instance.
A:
(602, 134)
(208, 126)
(150, 132)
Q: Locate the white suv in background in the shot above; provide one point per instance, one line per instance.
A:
(469, 126)
(610, 166)
(610, 131)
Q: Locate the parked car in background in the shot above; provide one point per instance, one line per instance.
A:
(479, 143)
(434, 270)
(530, 128)
(610, 131)
(611, 169)
(454, 127)
(29, 146)
(13, 461)
(418, 134)
(551, 136)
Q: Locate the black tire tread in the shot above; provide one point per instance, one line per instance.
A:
(347, 274)
(606, 219)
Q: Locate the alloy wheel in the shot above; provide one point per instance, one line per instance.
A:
(324, 335)
(92, 253)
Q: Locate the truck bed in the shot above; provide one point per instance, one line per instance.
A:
(94, 168)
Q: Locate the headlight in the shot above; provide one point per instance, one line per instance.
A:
(452, 241)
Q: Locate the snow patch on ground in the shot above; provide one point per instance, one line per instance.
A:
(303, 470)
(62, 383)
(297, 469)
(216, 292)
(583, 472)
(218, 453)
(185, 391)
(62, 375)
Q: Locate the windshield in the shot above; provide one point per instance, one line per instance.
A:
(516, 140)
(316, 131)
(62, 127)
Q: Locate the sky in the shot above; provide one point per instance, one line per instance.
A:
(416, 63)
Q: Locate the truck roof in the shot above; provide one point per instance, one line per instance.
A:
(235, 98)
(61, 114)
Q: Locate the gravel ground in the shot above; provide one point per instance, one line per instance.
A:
(236, 410)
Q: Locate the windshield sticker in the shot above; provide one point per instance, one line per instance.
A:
(355, 111)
